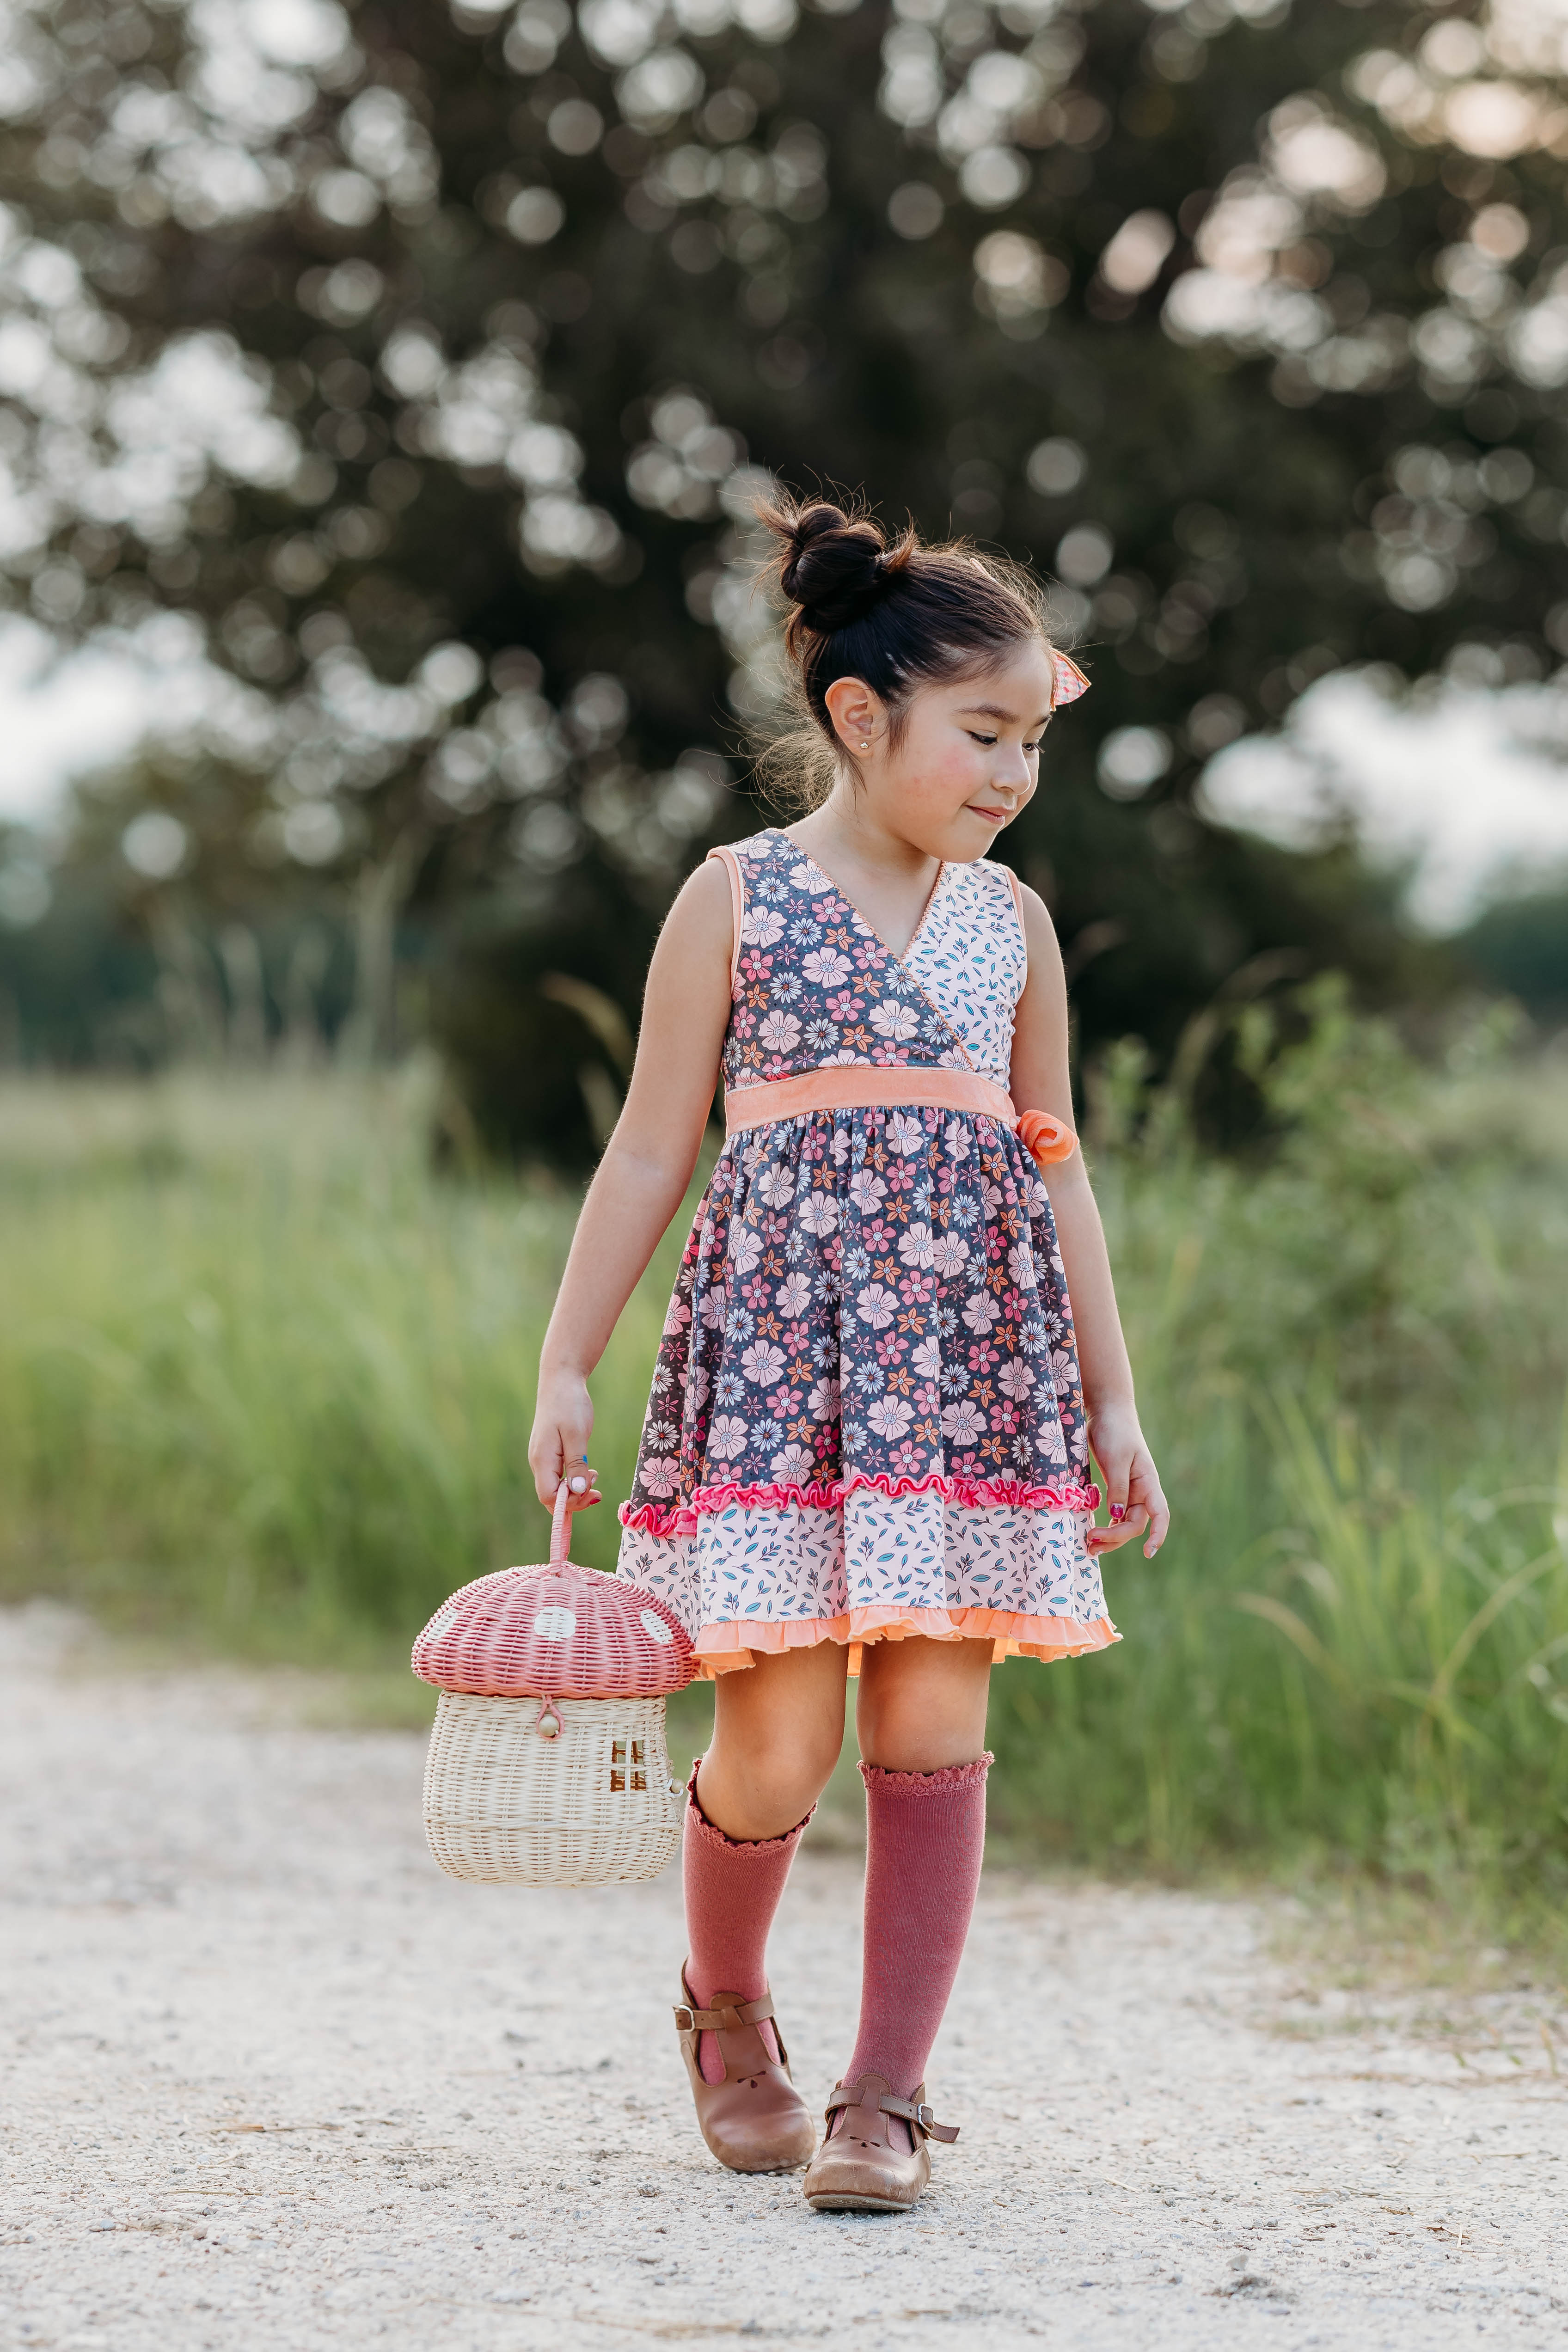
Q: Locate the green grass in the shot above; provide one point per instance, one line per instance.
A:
(265, 1384)
(262, 1379)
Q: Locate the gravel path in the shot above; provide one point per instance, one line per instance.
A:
(270, 2081)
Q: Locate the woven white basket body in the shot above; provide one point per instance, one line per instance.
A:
(503, 1804)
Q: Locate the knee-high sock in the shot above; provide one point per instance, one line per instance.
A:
(733, 1888)
(925, 1834)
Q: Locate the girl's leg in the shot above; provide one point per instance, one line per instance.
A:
(922, 1721)
(922, 1704)
(777, 1730)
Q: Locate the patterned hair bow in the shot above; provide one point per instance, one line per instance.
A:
(1070, 681)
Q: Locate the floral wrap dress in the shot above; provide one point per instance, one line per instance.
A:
(867, 1420)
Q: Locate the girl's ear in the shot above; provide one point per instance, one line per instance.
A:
(858, 714)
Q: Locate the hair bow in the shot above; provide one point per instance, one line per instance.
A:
(1070, 681)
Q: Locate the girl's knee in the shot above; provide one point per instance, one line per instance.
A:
(922, 1704)
(795, 1766)
(771, 1755)
(747, 1805)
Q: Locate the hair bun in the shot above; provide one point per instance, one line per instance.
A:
(830, 566)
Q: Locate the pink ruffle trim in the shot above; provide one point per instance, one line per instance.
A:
(949, 1781)
(974, 1494)
(723, 1648)
(709, 1834)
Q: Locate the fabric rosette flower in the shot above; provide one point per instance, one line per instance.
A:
(1046, 1138)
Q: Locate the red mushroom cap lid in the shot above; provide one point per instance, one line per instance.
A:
(556, 1631)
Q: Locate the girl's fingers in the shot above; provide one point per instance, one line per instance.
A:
(1155, 1509)
(1123, 1531)
(1113, 1471)
(1115, 1474)
(1136, 1504)
(564, 1458)
(581, 1498)
(581, 1480)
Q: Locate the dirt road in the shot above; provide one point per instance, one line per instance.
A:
(269, 2080)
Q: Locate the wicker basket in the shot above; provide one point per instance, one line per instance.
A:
(547, 1764)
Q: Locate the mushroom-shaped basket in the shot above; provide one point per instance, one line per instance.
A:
(548, 1765)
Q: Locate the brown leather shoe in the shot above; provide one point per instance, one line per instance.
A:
(755, 2120)
(857, 2170)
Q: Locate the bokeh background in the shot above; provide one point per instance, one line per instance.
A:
(384, 392)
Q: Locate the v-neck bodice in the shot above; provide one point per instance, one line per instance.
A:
(815, 985)
(900, 955)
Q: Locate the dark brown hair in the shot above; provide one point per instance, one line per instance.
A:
(899, 617)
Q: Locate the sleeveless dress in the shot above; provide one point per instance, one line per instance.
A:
(867, 1420)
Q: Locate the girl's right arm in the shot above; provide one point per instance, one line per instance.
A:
(646, 1166)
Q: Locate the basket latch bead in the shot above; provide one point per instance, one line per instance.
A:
(549, 1722)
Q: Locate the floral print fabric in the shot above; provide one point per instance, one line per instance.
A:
(871, 1308)
(816, 986)
(768, 1577)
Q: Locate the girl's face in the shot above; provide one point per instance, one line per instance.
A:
(968, 758)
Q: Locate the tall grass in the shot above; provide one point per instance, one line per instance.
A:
(266, 1380)
(260, 1376)
(1352, 1355)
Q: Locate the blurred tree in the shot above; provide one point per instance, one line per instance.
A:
(1522, 946)
(77, 984)
(434, 361)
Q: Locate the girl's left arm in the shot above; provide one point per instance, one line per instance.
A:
(1041, 1080)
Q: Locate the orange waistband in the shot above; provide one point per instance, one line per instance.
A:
(856, 1086)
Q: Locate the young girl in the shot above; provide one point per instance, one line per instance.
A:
(866, 1448)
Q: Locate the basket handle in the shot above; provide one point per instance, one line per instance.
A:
(560, 1527)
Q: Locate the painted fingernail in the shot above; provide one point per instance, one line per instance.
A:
(1118, 1510)
(578, 1484)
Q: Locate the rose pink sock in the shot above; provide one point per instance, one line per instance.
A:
(925, 1834)
(733, 1888)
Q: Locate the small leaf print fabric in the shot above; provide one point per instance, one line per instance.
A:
(866, 1417)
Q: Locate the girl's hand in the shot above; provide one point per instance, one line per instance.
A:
(1132, 1484)
(558, 1448)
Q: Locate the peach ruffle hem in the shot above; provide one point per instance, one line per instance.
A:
(725, 1648)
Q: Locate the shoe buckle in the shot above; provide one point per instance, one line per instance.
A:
(925, 2116)
(685, 2020)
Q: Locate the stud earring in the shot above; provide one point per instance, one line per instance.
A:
(866, 746)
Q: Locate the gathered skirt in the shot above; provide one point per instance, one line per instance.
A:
(866, 1420)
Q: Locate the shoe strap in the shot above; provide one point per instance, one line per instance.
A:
(688, 2020)
(847, 2095)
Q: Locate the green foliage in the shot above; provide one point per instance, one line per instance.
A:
(265, 1383)
(1522, 946)
(519, 332)
(1352, 1365)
